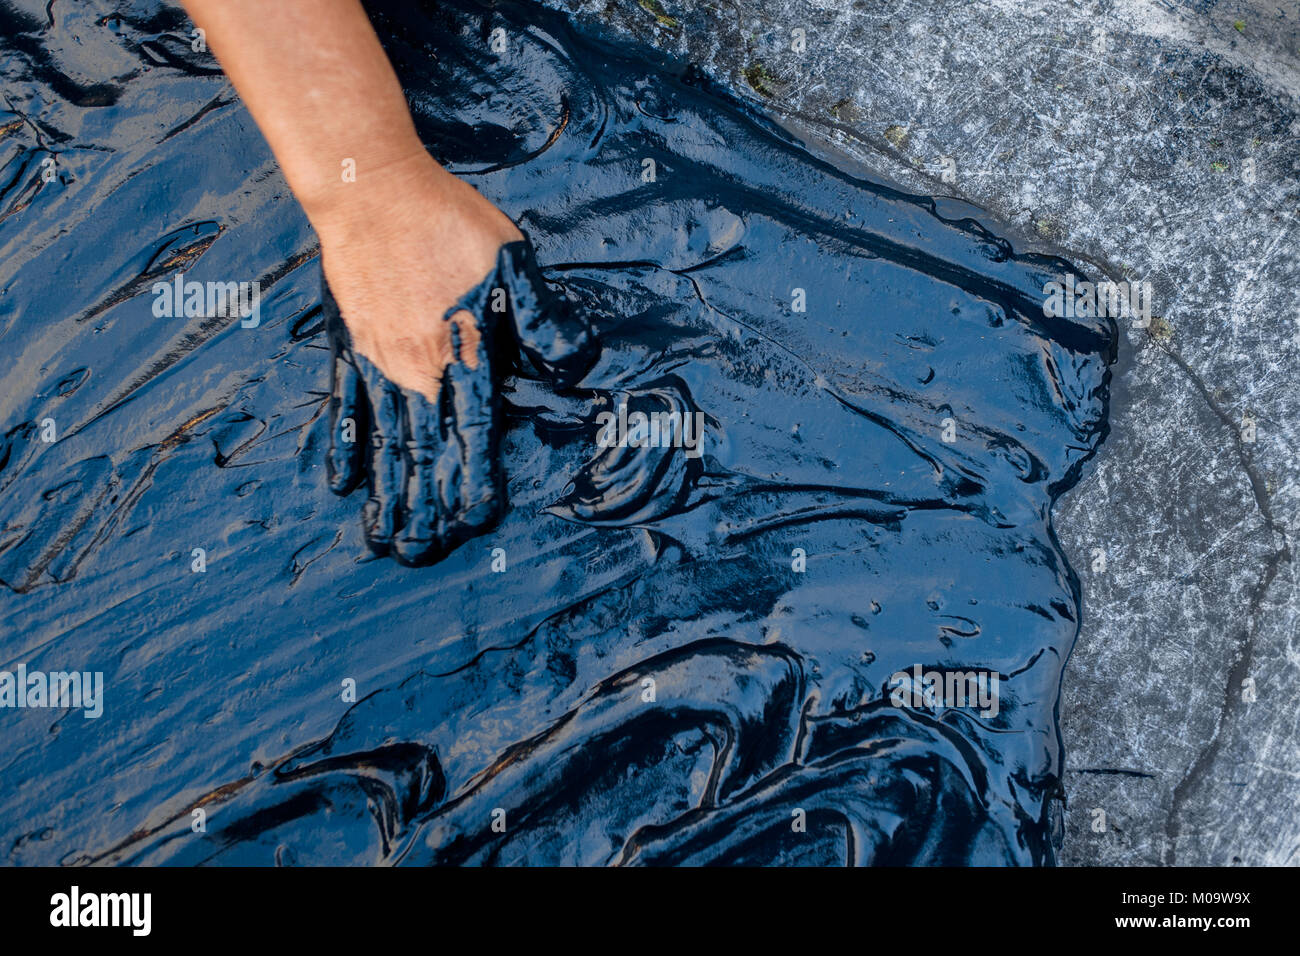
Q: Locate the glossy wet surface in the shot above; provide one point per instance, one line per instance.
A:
(651, 678)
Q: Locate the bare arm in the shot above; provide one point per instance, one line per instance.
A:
(400, 247)
(315, 78)
(403, 241)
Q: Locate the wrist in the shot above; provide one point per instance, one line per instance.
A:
(373, 194)
(413, 201)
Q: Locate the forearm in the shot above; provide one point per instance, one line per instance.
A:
(317, 81)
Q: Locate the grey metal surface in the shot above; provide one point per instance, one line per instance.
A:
(1156, 140)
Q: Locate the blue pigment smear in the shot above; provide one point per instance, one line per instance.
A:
(651, 678)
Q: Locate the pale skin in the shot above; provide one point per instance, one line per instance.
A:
(404, 242)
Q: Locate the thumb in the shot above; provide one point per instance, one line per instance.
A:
(556, 342)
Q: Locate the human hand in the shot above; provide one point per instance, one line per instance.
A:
(426, 298)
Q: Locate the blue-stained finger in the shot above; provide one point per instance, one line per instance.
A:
(345, 462)
(556, 341)
(345, 459)
(381, 516)
(421, 539)
(470, 471)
